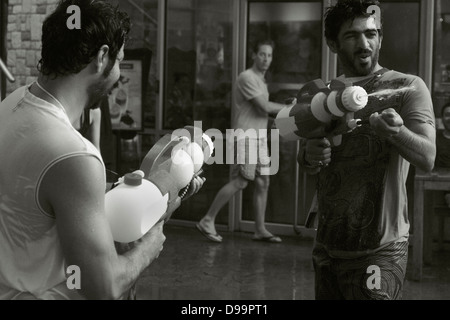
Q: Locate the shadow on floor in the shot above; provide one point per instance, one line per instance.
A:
(192, 268)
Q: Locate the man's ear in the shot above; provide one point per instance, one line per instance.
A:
(332, 45)
(102, 58)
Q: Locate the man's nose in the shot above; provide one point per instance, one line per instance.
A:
(363, 43)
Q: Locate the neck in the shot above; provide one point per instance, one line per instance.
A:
(259, 72)
(68, 91)
(348, 75)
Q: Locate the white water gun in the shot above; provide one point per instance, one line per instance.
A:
(143, 198)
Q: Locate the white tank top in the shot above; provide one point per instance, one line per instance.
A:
(34, 136)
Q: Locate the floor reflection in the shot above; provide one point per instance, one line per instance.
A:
(192, 268)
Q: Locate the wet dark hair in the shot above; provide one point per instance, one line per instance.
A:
(261, 43)
(67, 51)
(345, 10)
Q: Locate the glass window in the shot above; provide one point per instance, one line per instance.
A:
(441, 74)
(124, 152)
(144, 36)
(296, 29)
(199, 60)
(197, 84)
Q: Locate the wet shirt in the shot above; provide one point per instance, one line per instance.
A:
(34, 136)
(246, 115)
(362, 194)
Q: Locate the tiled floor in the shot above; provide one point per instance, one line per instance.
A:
(193, 268)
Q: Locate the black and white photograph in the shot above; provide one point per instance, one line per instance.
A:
(236, 158)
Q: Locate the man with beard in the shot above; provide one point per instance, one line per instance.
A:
(361, 248)
(52, 180)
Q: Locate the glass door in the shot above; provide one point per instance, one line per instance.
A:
(188, 81)
(197, 88)
(441, 74)
(296, 29)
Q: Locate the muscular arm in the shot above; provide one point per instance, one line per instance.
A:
(417, 145)
(74, 191)
(415, 142)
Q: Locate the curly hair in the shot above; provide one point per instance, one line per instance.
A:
(67, 51)
(343, 11)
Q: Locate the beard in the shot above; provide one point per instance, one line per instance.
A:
(101, 89)
(96, 95)
(355, 67)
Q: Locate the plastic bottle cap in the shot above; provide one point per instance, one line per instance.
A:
(132, 179)
(354, 98)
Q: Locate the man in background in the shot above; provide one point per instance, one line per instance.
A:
(251, 109)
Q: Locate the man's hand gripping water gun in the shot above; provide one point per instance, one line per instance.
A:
(169, 173)
(323, 114)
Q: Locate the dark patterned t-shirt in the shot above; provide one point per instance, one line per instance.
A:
(362, 194)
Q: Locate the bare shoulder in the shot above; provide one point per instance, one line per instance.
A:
(72, 182)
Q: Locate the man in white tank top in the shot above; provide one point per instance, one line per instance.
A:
(52, 180)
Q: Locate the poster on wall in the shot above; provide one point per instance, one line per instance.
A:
(125, 99)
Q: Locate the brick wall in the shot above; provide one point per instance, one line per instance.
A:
(23, 37)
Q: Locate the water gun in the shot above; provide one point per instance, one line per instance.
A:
(139, 201)
(322, 111)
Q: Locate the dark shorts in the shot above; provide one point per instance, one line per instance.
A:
(249, 158)
(377, 276)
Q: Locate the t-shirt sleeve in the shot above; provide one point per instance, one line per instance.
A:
(417, 104)
(248, 86)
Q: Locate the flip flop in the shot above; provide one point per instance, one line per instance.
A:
(271, 239)
(210, 236)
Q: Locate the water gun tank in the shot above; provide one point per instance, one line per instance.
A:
(138, 202)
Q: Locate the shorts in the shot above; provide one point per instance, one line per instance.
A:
(376, 276)
(249, 157)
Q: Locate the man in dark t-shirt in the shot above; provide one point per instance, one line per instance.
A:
(361, 248)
